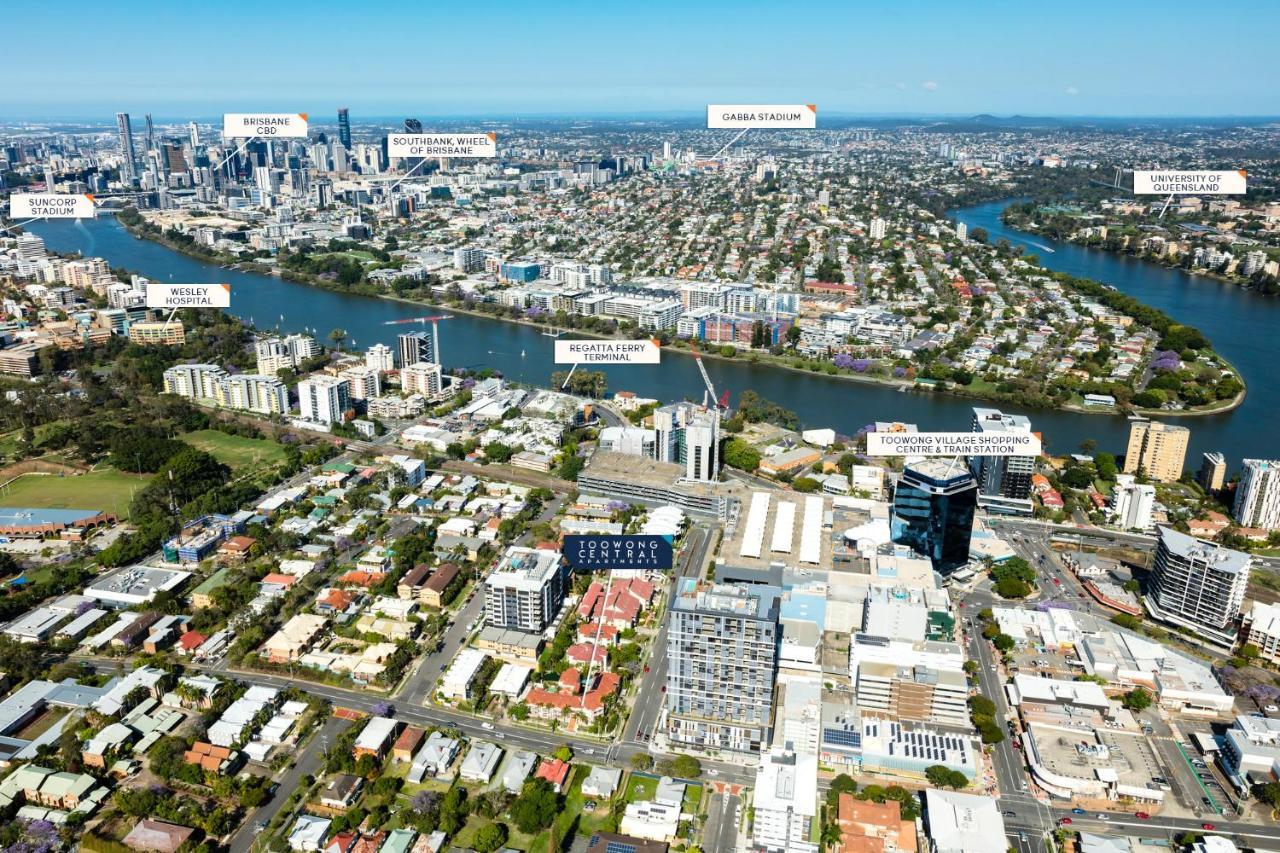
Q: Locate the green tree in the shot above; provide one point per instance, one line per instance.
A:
(642, 761)
(490, 837)
(941, 776)
(496, 451)
(536, 807)
(687, 767)
(1137, 700)
(738, 454)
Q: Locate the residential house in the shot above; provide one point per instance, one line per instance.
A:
(341, 791)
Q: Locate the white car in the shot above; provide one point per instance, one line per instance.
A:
(487, 726)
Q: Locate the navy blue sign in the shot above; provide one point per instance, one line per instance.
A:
(639, 551)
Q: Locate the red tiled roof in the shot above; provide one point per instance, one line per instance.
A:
(191, 640)
(553, 770)
(365, 579)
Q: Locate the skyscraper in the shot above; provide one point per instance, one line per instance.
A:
(151, 134)
(1198, 585)
(412, 125)
(128, 157)
(933, 511)
(1258, 494)
(1004, 482)
(344, 128)
(689, 435)
(416, 347)
(722, 658)
(1156, 449)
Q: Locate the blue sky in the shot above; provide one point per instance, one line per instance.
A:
(174, 59)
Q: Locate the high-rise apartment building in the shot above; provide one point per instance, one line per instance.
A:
(1213, 472)
(263, 394)
(323, 399)
(933, 511)
(525, 590)
(380, 357)
(276, 353)
(194, 381)
(1198, 585)
(722, 659)
(416, 347)
(878, 228)
(365, 382)
(468, 259)
(1132, 503)
(1155, 449)
(786, 802)
(422, 378)
(1258, 494)
(344, 127)
(689, 435)
(128, 156)
(1004, 482)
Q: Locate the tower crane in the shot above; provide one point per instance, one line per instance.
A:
(435, 329)
(709, 398)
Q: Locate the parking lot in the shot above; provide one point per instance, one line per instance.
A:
(1213, 792)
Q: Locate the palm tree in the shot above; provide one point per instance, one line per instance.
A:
(338, 336)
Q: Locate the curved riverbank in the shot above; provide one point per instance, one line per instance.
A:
(810, 367)
(272, 303)
(1025, 226)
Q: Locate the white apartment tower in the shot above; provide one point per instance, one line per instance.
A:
(380, 357)
(194, 381)
(1132, 503)
(323, 399)
(689, 435)
(1258, 495)
(1198, 585)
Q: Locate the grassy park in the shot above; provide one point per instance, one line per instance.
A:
(236, 450)
(105, 489)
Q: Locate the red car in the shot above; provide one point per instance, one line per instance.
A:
(1208, 826)
(1142, 816)
(1064, 821)
(1057, 582)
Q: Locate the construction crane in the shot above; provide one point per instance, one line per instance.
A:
(709, 398)
(435, 330)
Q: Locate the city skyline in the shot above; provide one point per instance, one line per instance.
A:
(848, 60)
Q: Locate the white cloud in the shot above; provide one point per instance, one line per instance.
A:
(900, 86)
(929, 85)
(1072, 90)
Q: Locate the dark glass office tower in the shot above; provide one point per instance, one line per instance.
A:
(128, 156)
(933, 511)
(344, 128)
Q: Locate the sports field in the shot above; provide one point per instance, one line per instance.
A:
(108, 490)
(235, 450)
